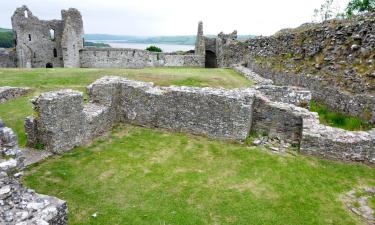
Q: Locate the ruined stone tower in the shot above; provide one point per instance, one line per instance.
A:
(52, 43)
(199, 43)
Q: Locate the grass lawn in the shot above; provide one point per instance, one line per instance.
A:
(337, 119)
(40, 80)
(146, 176)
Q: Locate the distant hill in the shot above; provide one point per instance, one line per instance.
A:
(177, 40)
(6, 38)
(5, 30)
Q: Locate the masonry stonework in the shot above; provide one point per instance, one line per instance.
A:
(135, 58)
(64, 121)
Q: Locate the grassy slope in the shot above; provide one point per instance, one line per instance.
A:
(145, 176)
(14, 112)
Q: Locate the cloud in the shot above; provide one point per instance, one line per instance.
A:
(175, 17)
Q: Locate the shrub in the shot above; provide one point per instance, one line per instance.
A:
(153, 48)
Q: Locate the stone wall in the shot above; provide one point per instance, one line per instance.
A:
(335, 60)
(362, 105)
(8, 93)
(334, 143)
(7, 58)
(20, 205)
(91, 57)
(63, 121)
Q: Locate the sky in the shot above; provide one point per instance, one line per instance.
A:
(175, 17)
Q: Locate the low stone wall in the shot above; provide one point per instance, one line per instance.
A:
(20, 205)
(63, 120)
(338, 144)
(134, 58)
(286, 94)
(8, 93)
(251, 75)
(278, 120)
(362, 105)
(7, 58)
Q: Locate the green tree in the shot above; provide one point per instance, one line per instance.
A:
(359, 6)
(153, 48)
(325, 12)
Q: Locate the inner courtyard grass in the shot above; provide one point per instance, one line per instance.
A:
(337, 119)
(41, 80)
(147, 176)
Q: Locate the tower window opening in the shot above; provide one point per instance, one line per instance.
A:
(26, 14)
(29, 37)
(52, 34)
(54, 52)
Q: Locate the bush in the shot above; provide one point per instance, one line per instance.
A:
(153, 48)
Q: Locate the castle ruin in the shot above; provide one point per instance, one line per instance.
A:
(52, 43)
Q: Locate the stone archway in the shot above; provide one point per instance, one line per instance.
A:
(49, 65)
(211, 60)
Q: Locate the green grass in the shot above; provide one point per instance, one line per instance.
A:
(145, 176)
(340, 120)
(40, 80)
(371, 203)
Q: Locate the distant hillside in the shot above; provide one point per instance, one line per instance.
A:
(95, 44)
(5, 30)
(178, 40)
(6, 38)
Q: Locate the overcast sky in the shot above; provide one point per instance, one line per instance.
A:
(175, 17)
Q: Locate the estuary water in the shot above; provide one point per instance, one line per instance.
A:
(164, 47)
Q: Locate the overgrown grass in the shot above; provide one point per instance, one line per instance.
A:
(40, 80)
(145, 176)
(340, 120)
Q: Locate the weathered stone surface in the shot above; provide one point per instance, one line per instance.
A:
(334, 143)
(8, 93)
(19, 205)
(286, 94)
(252, 76)
(134, 58)
(278, 120)
(7, 58)
(200, 48)
(61, 119)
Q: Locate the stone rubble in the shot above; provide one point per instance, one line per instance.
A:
(8, 93)
(19, 205)
(357, 202)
